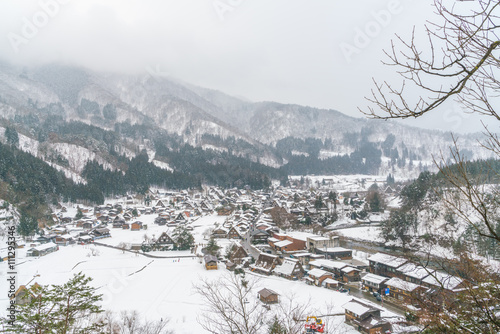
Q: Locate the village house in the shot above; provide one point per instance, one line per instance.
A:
(374, 282)
(402, 291)
(358, 264)
(136, 226)
(330, 283)
(265, 263)
(231, 266)
(238, 253)
(286, 243)
(334, 267)
(365, 318)
(220, 232)
(290, 269)
(42, 250)
(163, 242)
(100, 233)
(318, 242)
(259, 236)
(350, 274)
(182, 217)
(303, 258)
(64, 239)
(84, 239)
(128, 216)
(317, 276)
(234, 233)
(385, 264)
(59, 230)
(118, 224)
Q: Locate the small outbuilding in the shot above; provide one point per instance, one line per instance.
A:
(268, 296)
(210, 262)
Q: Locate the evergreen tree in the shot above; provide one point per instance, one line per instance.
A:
(414, 193)
(400, 226)
(318, 203)
(183, 238)
(28, 225)
(79, 213)
(212, 247)
(275, 326)
(60, 309)
(375, 201)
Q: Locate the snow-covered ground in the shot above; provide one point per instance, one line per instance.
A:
(364, 233)
(157, 287)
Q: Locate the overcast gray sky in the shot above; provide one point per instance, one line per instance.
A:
(320, 53)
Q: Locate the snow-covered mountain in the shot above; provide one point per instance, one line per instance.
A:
(201, 117)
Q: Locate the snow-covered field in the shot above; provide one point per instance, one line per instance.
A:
(364, 233)
(156, 287)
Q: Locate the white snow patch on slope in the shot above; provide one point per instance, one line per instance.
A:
(162, 165)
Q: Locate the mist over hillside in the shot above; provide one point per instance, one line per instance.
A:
(70, 116)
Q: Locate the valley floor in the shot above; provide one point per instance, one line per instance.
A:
(157, 287)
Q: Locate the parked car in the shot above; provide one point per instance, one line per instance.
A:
(377, 296)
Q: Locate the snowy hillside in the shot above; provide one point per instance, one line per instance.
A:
(141, 109)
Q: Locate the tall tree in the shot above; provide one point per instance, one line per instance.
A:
(231, 306)
(183, 238)
(28, 225)
(460, 63)
(212, 247)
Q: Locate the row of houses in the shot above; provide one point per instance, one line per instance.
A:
(321, 272)
(65, 238)
(402, 280)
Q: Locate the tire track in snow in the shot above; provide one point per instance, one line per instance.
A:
(135, 272)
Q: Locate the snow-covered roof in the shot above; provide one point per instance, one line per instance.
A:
(266, 292)
(374, 278)
(286, 268)
(330, 281)
(283, 243)
(318, 238)
(388, 260)
(318, 272)
(349, 269)
(445, 280)
(328, 264)
(301, 254)
(413, 270)
(300, 235)
(356, 307)
(44, 246)
(401, 285)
